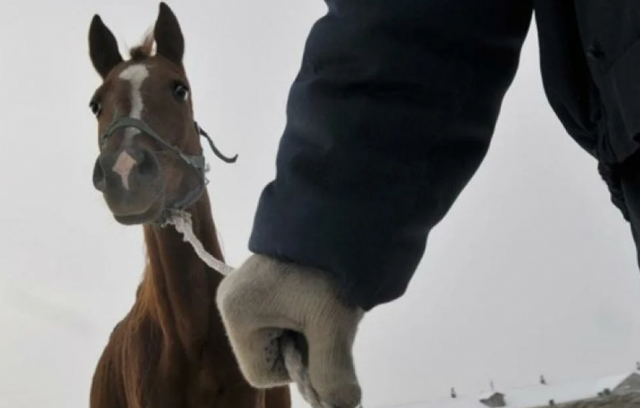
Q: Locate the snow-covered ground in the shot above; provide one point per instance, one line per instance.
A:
(533, 271)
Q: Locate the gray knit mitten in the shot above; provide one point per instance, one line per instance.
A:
(264, 299)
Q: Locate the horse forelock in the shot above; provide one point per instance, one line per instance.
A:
(145, 49)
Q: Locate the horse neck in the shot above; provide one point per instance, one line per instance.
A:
(178, 288)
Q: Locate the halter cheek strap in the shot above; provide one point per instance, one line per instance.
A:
(196, 162)
(217, 152)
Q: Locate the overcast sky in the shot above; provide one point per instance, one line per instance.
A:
(532, 272)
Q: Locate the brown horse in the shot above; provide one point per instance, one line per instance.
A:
(171, 349)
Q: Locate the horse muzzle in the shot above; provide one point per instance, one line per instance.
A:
(130, 180)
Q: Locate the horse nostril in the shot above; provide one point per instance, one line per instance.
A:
(147, 165)
(99, 180)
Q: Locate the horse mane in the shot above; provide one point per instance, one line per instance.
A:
(143, 50)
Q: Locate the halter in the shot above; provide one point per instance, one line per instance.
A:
(194, 161)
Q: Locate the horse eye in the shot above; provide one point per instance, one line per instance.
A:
(95, 107)
(181, 92)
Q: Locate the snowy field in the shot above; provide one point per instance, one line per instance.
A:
(533, 272)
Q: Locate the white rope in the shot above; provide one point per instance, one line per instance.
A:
(181, 220)
(298, 373)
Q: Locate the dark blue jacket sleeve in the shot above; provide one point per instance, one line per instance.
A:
(389, 117)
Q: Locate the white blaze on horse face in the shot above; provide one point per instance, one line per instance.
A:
(135, 75)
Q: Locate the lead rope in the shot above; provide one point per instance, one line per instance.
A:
(181, 220)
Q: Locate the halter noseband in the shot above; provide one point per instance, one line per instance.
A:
(196, 162)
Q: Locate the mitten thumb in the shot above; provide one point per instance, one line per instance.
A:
(330, 337)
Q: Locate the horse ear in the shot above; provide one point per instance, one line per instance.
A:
(103, 47)
(168, 35)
